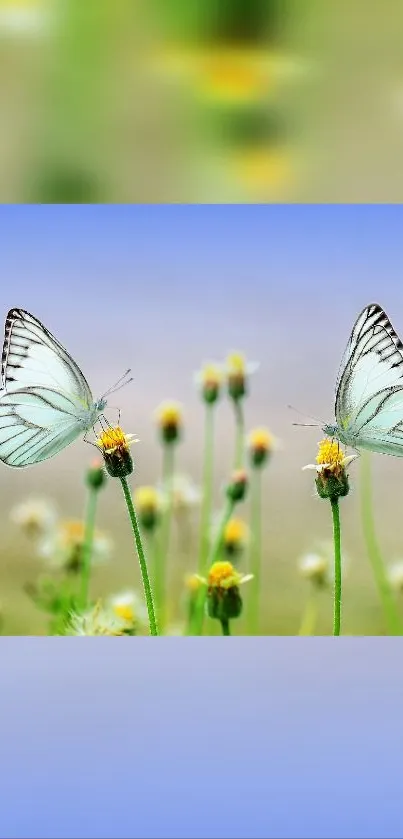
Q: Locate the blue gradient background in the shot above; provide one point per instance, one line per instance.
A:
(248, 738)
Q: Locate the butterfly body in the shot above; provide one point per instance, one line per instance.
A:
(369, 389)
(45, 401)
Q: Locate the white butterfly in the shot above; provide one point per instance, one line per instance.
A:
(369, 389)
(45, 400)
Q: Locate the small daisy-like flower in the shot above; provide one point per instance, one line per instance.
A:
(209, 379)
(63, 547)
(115, 447)
(314, 567)
(183, 493)
(395, 575)
(223, 597)
(261, 444)
(95, 621)
(35, 517)
(235, 536)
(238, 486)
(237, 372)
(149, 503)
(193, 583)
(96, 476)
(331, 464)
(129, 608)
(169, 418)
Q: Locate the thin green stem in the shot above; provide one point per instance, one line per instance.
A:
(310, 615)
(142, 559)
(375, 557)
(256, 550)
(87, 546)
(213, 557)
(162, 550)
(225, 626)
(239, 434)
(207, 487)
(334, 502)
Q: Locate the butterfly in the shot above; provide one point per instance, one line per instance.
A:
(45, 400)
(369, 389)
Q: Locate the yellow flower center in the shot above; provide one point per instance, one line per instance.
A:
(235, 532)
(211, 376)
(169, 413)
(114, 439)
(261, 439)
(72, 532)
(147, 498)
(236, 364)
(262, 169)
(125, 611)
(329, 453)
(223, 575)
(193, 583)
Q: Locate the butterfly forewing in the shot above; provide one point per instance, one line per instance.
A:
(46, 401)
(369, 391)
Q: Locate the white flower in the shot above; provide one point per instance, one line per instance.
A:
(36, 516)
(62, 548)
(129, 608)
(182, 492)
(318, 565)
(395, 574)
(95, 621)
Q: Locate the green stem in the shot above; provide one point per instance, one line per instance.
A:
(87, 546)
(207, 487)
(225, 626)
(239, 434)
(141, 556)
(256, 550)
(378, 569)
(310, 615)
(213, 557)
(334, 502)
(162, 551)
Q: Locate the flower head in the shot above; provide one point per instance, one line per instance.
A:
(95, 621)
(260, 444)
(237, 372)
(96, 476)
(182, 493)
(237, 488)
(314, 567)
(129, 608)
(209, 379)
(35, 516)
(63, 547)
(223, 597)
(331, 464)
(115, 447)
(235, 536)
(149, 504)
(169, 419)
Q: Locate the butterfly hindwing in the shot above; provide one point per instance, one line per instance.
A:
(369, 391)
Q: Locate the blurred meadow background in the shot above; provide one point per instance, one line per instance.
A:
(200, 101)
(165, 290)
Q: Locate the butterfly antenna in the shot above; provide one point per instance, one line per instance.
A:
(314, 424)
(122, 382)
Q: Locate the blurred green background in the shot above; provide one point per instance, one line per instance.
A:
(200, 101)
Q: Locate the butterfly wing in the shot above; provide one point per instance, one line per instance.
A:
(45, 394)
(369, 390)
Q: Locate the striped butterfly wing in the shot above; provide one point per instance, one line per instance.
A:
(369, 390)
(44, 393)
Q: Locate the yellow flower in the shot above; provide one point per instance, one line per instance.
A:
(115, 447)
(331, 464)
(193, 583)
(224, 576)
(237, 372)
(263, 171)
(149, 503)
(169, 418)
(260, 444)
(210, 379)
(235, 535)
(63, 547)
